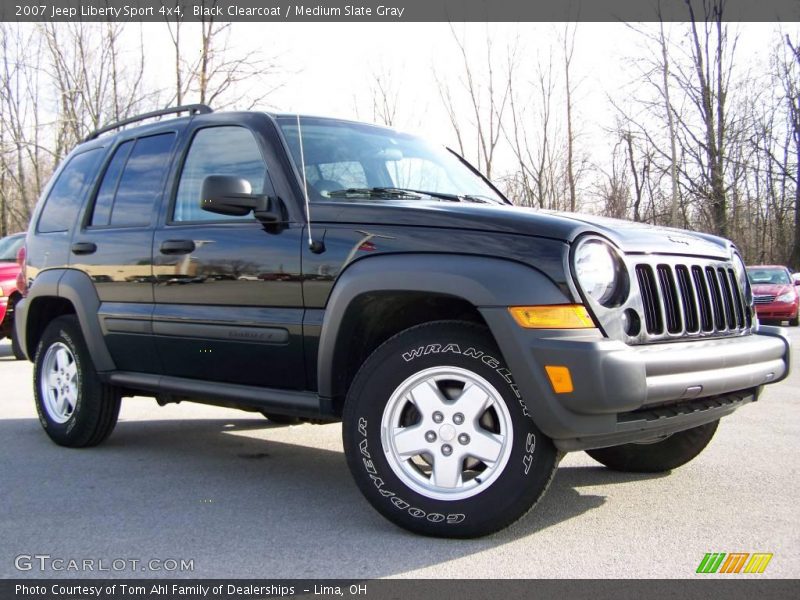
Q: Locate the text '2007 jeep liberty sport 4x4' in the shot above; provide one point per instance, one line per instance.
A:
(329, 270)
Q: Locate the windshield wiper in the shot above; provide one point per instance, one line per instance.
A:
(402, 193)
(455, 197)
(375, 192)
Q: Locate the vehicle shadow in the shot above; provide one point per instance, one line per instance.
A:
(5, 350)
(230, 496)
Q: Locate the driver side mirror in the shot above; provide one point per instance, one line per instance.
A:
(229, 195)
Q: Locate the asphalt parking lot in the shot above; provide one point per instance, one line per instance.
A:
(241, 498)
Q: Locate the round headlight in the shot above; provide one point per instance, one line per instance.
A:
(598, 271)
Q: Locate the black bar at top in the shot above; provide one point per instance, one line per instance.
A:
(395, 10)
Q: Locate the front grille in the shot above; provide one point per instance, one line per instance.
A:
(682, 300)
(764, 298)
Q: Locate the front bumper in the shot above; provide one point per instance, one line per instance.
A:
(630, 393)
(777, 310)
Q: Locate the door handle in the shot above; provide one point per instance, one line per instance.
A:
(84, 248)
(177, 246)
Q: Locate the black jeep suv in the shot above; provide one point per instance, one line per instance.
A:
(325, 270)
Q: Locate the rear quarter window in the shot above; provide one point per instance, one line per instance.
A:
(68, 192)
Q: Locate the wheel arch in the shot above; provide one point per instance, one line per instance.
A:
(57, 292)
(400, 291)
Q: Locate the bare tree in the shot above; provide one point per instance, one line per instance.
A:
(487, 95)
(24, 163)
(706, 82)
(569, 50)
(789, 72)
(210, 70)
(385, 98)
(96, 82)
(673, 151)
(614, 189)
(533, 135)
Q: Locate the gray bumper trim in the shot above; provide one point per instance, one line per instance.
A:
(656, 422)
(612, 379)
(712, 367)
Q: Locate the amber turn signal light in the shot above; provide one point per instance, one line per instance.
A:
(557, 316)
(560, 379)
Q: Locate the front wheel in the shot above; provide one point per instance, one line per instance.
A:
(75, 408)
(656, 457)
(437, 437)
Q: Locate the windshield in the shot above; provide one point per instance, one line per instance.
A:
(9, 247)
(372, 162)
(775, 276)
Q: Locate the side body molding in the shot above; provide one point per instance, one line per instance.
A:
(481, 281)
(78, 288)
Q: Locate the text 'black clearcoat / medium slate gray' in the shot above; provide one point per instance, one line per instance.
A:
(318, 270)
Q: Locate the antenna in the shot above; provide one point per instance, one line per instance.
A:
(315, 247)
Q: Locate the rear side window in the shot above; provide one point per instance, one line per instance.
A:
(108, 188)
(132, 182)
(228, 150)
(66, 196)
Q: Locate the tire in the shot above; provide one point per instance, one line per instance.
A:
(84, 412)
(464, 497)
(794, 322)
(657, 457)
(281, 419)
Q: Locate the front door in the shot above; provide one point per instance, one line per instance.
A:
(228, 297)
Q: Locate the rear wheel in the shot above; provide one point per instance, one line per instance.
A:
(655, 457)
(437, 437)
(75, 408)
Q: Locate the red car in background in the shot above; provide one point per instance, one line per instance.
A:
(9, 294)
(774, 293)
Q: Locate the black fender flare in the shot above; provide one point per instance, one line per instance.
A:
(481, 281)
(78, 288)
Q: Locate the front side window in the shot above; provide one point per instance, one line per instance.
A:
(66, 196)
(229, 150)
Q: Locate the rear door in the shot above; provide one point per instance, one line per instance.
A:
(228, 296)
(114, 246)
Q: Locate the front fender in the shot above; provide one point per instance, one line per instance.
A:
(481, 281)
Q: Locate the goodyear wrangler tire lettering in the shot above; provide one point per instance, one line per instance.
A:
(396, 501)
(437, 436)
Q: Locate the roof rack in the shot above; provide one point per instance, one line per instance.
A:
(192, 109)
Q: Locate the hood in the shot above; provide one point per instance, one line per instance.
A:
(771, 289)
(629, 236)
